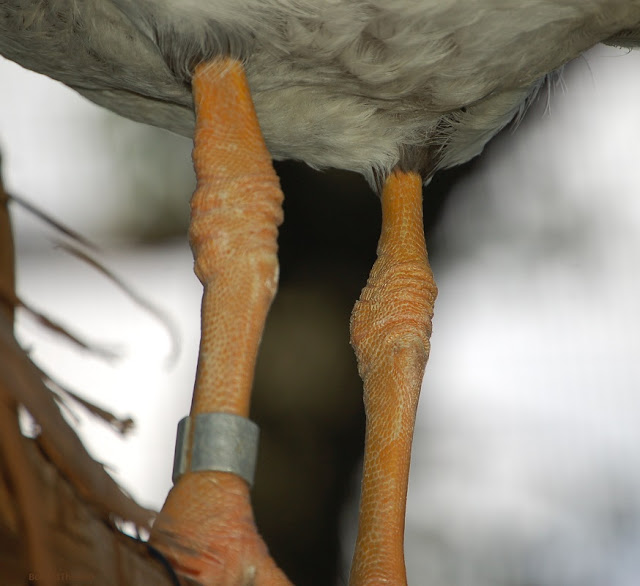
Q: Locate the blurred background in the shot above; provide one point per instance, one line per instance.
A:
(526, 462)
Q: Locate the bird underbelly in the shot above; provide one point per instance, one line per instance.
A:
(351, 85)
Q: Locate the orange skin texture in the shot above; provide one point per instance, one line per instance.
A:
(390, 331)
(206, 527)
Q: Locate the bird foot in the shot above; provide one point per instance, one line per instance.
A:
(214, 540)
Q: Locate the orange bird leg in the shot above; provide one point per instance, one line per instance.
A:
(390, 331)
(206, 527)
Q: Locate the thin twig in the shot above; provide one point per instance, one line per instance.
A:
(50, 324)
(140, 301)
(162, 316)
(119, 424)
(47, 219)
(22, 380)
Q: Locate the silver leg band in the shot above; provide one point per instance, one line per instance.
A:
(221, 441)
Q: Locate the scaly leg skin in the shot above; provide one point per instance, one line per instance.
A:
(390, 331)
(206, 527)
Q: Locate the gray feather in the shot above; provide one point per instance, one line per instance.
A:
(362, 85)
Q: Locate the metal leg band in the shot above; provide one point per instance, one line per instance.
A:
(221, 441)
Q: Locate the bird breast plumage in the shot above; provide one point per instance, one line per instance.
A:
(355, 84)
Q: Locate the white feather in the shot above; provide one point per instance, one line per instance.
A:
(336, 83)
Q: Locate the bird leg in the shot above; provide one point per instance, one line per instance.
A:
(390, 331)
(206, 527)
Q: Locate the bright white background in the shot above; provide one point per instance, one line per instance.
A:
(526, 467)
